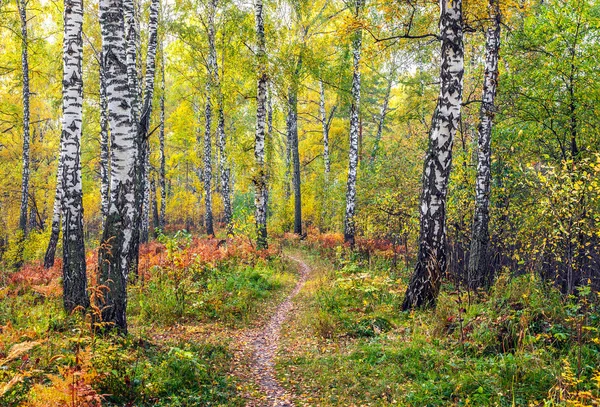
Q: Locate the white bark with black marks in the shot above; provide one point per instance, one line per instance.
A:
(56, 215)
(104, 147)
(74, 273)
(114, 261)
(161, 138)
(260, 175)
(22, 5)
(382, 114)
(478, 271)
(325, 129)
(349, 224)
(143, 125)
(431, 261)
(211, 68)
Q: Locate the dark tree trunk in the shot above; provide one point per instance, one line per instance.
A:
(431, 264)
(292, 134)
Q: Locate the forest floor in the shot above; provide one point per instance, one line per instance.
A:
(258, 347)
(308, 323)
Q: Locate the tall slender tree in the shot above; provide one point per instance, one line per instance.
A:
(74, 273)
(104, 146)
(211, 68)
(431, 263)
(114, 261)
(292, 136)
(325, 129)
(260, 176)
(56, 216)
(383, 112)
(22, 6)
(478, 260)
(143, 128)
(221, 144)
(162, 179)
(349, 225)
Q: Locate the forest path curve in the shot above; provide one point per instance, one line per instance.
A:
(263, 344)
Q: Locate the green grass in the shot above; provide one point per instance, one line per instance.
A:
(163, 361)
(351, 345)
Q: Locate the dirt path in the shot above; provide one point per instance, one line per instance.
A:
(262, 344)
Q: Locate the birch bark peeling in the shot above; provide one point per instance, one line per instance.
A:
(431, 263)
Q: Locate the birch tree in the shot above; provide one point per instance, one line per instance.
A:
(260, 181)
(22, 6)
(292, 136)
(478, 261)
(431, 261)
(56, 216)
(114, 261)
(223, 160)
(325, 124)
(383, 112)
(211, 68)
(349, 226)
(74, 273)
(161, 140)
(104, 146)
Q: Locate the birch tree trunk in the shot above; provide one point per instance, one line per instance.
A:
(431, 261)
(349, 226)
(325, 129)
(225, 170)
(382, 113)
(146, 198)
(104, 146)
(292, 133)
(161, 138)
(143, 147)
(74, 273)
(56, 215)
(155, 214)
(22, 4)
(211, 72)
(478, 271)
(114, 261)
(260, 175)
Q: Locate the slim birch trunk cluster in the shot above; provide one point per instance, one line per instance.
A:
(431, 261)
(210, 80)
(143, 162)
